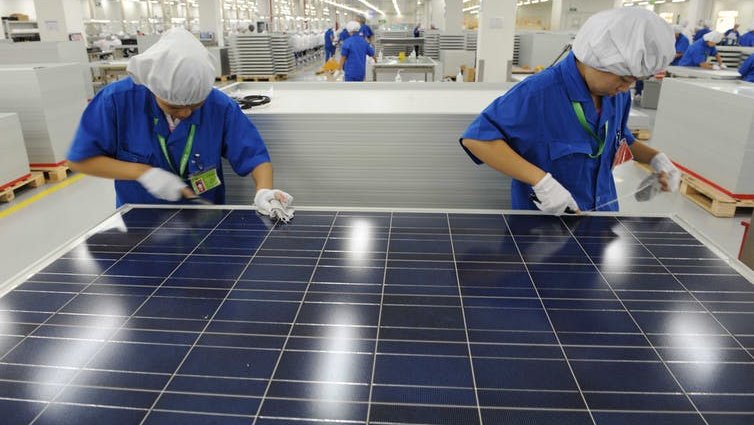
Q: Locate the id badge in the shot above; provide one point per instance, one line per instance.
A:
(204, 181)
(623, 154)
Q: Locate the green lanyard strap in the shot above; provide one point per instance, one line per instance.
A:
(186, 150)
(582, 119)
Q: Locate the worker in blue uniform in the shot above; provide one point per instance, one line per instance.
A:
(702, 31)
(700, 50)
(747, 69)
(353, 54)
(343, 36)
(161, 132)
(747, 40)
(559, 133)
(330, 42)
(681, 44)
(365, 30)
(732, 36)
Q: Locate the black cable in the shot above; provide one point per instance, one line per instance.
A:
(567, 48)
(252, 101)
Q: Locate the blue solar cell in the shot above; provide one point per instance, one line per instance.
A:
(209, 404)
(423, 371)
(291, 273)
(209, 385)
(423, 395)
(319, 391)
(78, 266)
(108, 397)
(390, 413)
(34, 301)
(655, 402)
(631, 418)
(143, 268)
(677, 322)
(17, 412)
(193, 268)
(547, 417)
(517, 351)
(531, 399)
(424, 348)
(728, 419)
(241, 341)
(314, 409)
(66, 414)
(111, 305)
(26, 373)
(47, 352)
(29, 390)
(261, 311)
(230, 362)
(325, 367)
(339, 314)
(520, 374)
(737, 323)
(592, 321)
(152, 358)
(422, 317)
(349, 275)
(176, 418)
(623, 376)
(425, 276)
(733, 378)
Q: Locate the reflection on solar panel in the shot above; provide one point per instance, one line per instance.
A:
(207, 316)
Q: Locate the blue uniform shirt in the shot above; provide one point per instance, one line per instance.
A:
(536, 118)
(328, 38)
(699, 34)
(343, 36)
(119, 123)
(747, 69)
(681, 45)
(747, 40)
(356, 49)
(366, 31)
(697, 54)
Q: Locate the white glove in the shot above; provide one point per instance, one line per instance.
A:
(274, 203)
(553, 197)
(162, 184)
(715, 67)
(661, 163)
(723, 66)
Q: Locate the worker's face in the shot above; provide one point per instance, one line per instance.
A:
(178, 111)
(602, 83)
(711, 44)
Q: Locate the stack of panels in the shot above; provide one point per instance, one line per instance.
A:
(516, 49)
(471, 40)
(282, 54)
(730, 57)
(222, 317)
(432, 44)
(14, 163)
(452, 42)
(382, 42)
(722, 153)
(49, 100)
(251, 55)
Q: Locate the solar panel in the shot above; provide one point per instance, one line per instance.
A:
(219, 316)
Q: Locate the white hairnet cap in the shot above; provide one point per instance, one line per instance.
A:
(177, 68)
(713, 36)
(678, 29)
(627, 41)
(353, 26)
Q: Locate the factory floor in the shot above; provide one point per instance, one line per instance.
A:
(40, 220)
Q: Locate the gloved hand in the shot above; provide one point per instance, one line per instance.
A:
(662, 164)
(715, 67)
(274, 203)
(162, 184)
(552, 197)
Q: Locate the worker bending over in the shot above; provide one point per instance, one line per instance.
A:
(697, 53)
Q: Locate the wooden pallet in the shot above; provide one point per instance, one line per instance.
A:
(641, 134)
(53, 174)
(242, 78)
(712, 200)
(35, 180)
(225, 78)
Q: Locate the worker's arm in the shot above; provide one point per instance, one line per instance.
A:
(342, 61)
(499, 156)
(719, 59)
(705, 65)
(111, 168)
(642, 152)
(262, 175)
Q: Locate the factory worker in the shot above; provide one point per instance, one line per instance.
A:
(681, 44)
(161, 132)
(747, 40)
(353, 54)
(732, 35)
(330, 41)
(365, 30)
(700, 50)
(559, 133)
(747, 69)
(703, 30)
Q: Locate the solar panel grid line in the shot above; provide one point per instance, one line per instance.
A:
(290, 331)
(636, 323)
(94, 355)
(708, 311)
(552, 326)
(53, 314)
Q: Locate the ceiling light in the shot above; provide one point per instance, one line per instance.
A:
(342, 6)
(470, 8)
(371, 6)
(395, 5)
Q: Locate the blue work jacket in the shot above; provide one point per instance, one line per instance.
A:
(344, 35)
(366, 31)
(681, 45)
(747, 40)
(356, 50)
(747, 69)
(536, 118)
(119, 123)
(697, 54)
(329, 34)
(699, 34)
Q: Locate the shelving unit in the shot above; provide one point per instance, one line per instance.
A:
(21, 30)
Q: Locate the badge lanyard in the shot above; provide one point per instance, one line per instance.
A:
(582, 119)
(186, 150)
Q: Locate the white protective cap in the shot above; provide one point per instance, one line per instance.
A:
(678, 29)
(353, 26)
(177, 68)
(713, 36)
(627, 41)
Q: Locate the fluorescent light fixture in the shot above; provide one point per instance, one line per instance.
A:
(466, 1)
(371, 6)
(395, 5)
(342, 6)
(470, 8)
(643, 3)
